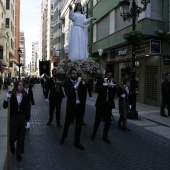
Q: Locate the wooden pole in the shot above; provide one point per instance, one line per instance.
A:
(8, 136)
(124, 106)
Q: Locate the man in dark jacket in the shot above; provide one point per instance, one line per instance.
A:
(28, 90)
(165, 89)
(76, 94)
(55, 94)
(105, 103)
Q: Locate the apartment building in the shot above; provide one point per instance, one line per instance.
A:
(23, 49)
(43, 31)
(35, 58)
(151, 54)
(4, 42)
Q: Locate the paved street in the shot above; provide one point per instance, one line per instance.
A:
(138, 149)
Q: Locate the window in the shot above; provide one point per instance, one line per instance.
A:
(7, 22)
(8, 4)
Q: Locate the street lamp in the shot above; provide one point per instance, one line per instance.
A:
(19, 55)
(128, 15)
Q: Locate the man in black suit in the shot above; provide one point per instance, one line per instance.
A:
(75, 100)
(165, 89)
(44, 82)
(55, 91)
(105, 102)
(28, 90)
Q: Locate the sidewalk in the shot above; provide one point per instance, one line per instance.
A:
(150, 113)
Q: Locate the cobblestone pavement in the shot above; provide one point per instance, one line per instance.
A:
(135, 150)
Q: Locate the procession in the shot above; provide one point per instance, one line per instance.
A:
(71, 111)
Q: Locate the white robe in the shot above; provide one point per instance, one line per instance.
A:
(78, 38)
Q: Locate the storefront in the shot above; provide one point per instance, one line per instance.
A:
(148, 69)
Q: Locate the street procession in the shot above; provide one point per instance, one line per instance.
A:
(81, 88)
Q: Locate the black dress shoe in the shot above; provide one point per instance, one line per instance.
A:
(164, 115)
(19, 158)
(79, 146)
(61, 141)
(106, 140)
(13, 151)
(127, 129)
(48, 123)
(93, 137)
(59, 125)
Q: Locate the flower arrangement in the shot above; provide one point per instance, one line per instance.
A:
(133, 37)
(90, 67)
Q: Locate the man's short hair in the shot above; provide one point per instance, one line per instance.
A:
(108, 71)
(167, 73)
(72, 69)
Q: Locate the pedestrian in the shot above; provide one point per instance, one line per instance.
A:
(124, 105)
(106, 90)
(75, 97)
(44, 82)
(18, 109)
(89, 85)
(55, 94)
(165, 90)
(77, 40)
(28, 90)
(5, 84)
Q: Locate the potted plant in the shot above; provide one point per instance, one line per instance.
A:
(133, 36)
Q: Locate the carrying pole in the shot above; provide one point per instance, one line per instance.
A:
(124, 106)
(8, 136)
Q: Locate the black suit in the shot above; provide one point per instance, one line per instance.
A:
(104, 105)
(44, 84)
(17, 122)
(55, 98)
(74, 110)
(30, 102)
(165, 89)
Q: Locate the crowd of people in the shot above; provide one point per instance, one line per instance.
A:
(75, 88)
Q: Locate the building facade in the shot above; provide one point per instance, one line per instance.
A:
(151, 53)
(23, 49)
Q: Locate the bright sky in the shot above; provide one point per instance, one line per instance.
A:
(29, 23)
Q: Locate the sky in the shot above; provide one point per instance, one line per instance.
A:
(29, 23)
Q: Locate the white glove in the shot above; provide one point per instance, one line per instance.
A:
(33, 106)
(46, 100)
(130, 106)
(7, 95)
(123, 95)
(105, 80)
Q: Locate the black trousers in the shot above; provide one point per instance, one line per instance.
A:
(70, 115)
(165, 102)
(105, 113)
(28, 114)
(55, 104)
(123, 110)
(17, 132)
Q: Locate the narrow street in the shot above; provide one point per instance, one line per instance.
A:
(138, 149)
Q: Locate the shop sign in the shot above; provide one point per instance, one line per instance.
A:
(147, 47)
(123, 52)
(155, 46)
(166, 59)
